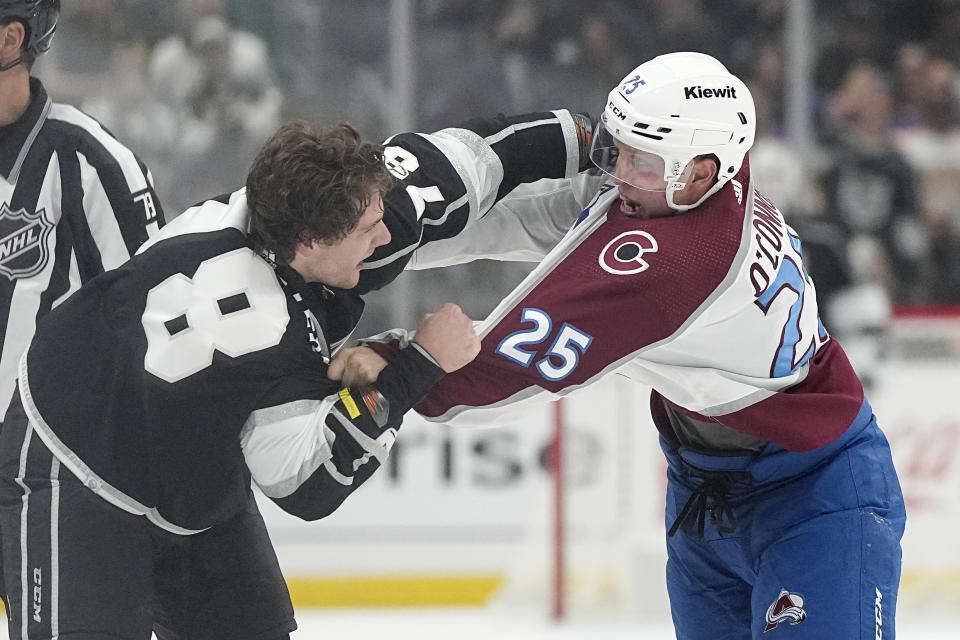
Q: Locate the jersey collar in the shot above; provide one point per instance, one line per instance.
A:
(313, 309)
(17, 138)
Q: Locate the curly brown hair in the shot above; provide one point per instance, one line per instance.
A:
(310, 183)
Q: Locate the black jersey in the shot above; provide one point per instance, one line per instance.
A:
(166, 384)
(74, 202)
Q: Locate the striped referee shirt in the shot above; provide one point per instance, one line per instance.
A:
(74, 202)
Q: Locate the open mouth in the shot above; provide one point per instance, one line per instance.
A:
(630, 208)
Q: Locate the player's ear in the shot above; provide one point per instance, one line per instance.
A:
(305, 242)
(11, 40)
(704, 170)
(305, 247)
(703, 175)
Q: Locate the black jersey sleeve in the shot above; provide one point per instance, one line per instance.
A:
(309, 455)
(449, 179)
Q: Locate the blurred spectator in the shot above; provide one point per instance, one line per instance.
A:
(194, 84)
(870, 188)
(219, 84)
(767, 78)
(778, 168)
(102, 65)
(765, 18)
(93, 34)
(871, 209)
(911, 60)
(459, 69)
(222, 77)
(932, 147)
(853, 30)
(945, 36)
(299, 50)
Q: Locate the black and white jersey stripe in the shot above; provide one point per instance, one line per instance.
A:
(74, 202)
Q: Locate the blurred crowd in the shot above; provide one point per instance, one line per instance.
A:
(195, 86)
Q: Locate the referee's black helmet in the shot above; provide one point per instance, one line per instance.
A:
(40, 19)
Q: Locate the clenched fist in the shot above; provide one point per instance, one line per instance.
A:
(356, 367)
(448, 336)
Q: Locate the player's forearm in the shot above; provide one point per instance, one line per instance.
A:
(522, 227)
(309, 455)
(534, 146)
(448, 180)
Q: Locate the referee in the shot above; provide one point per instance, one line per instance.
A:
(74, 202)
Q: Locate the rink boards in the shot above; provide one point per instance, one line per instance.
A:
(465, 517)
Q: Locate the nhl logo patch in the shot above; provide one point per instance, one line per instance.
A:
(23, 242)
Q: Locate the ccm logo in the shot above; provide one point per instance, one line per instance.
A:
(617, 112)
(878, 615)
(37, 584)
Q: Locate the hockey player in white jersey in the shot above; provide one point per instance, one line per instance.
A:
(784, 512)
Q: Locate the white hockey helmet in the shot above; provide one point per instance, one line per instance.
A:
(668, 111)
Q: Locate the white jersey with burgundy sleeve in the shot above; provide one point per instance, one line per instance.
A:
(712, 308)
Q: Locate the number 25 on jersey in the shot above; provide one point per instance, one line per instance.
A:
(564, 353)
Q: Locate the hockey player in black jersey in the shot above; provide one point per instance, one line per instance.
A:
(151, 398)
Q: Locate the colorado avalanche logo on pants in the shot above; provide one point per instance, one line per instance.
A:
(23, 242)
(787, 608)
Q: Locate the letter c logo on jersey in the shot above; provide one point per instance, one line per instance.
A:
(623, 256)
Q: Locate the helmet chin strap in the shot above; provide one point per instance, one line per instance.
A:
(10, 65)
(686, 207)
(678, 184)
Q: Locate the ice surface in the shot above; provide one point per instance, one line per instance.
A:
(525, 624)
